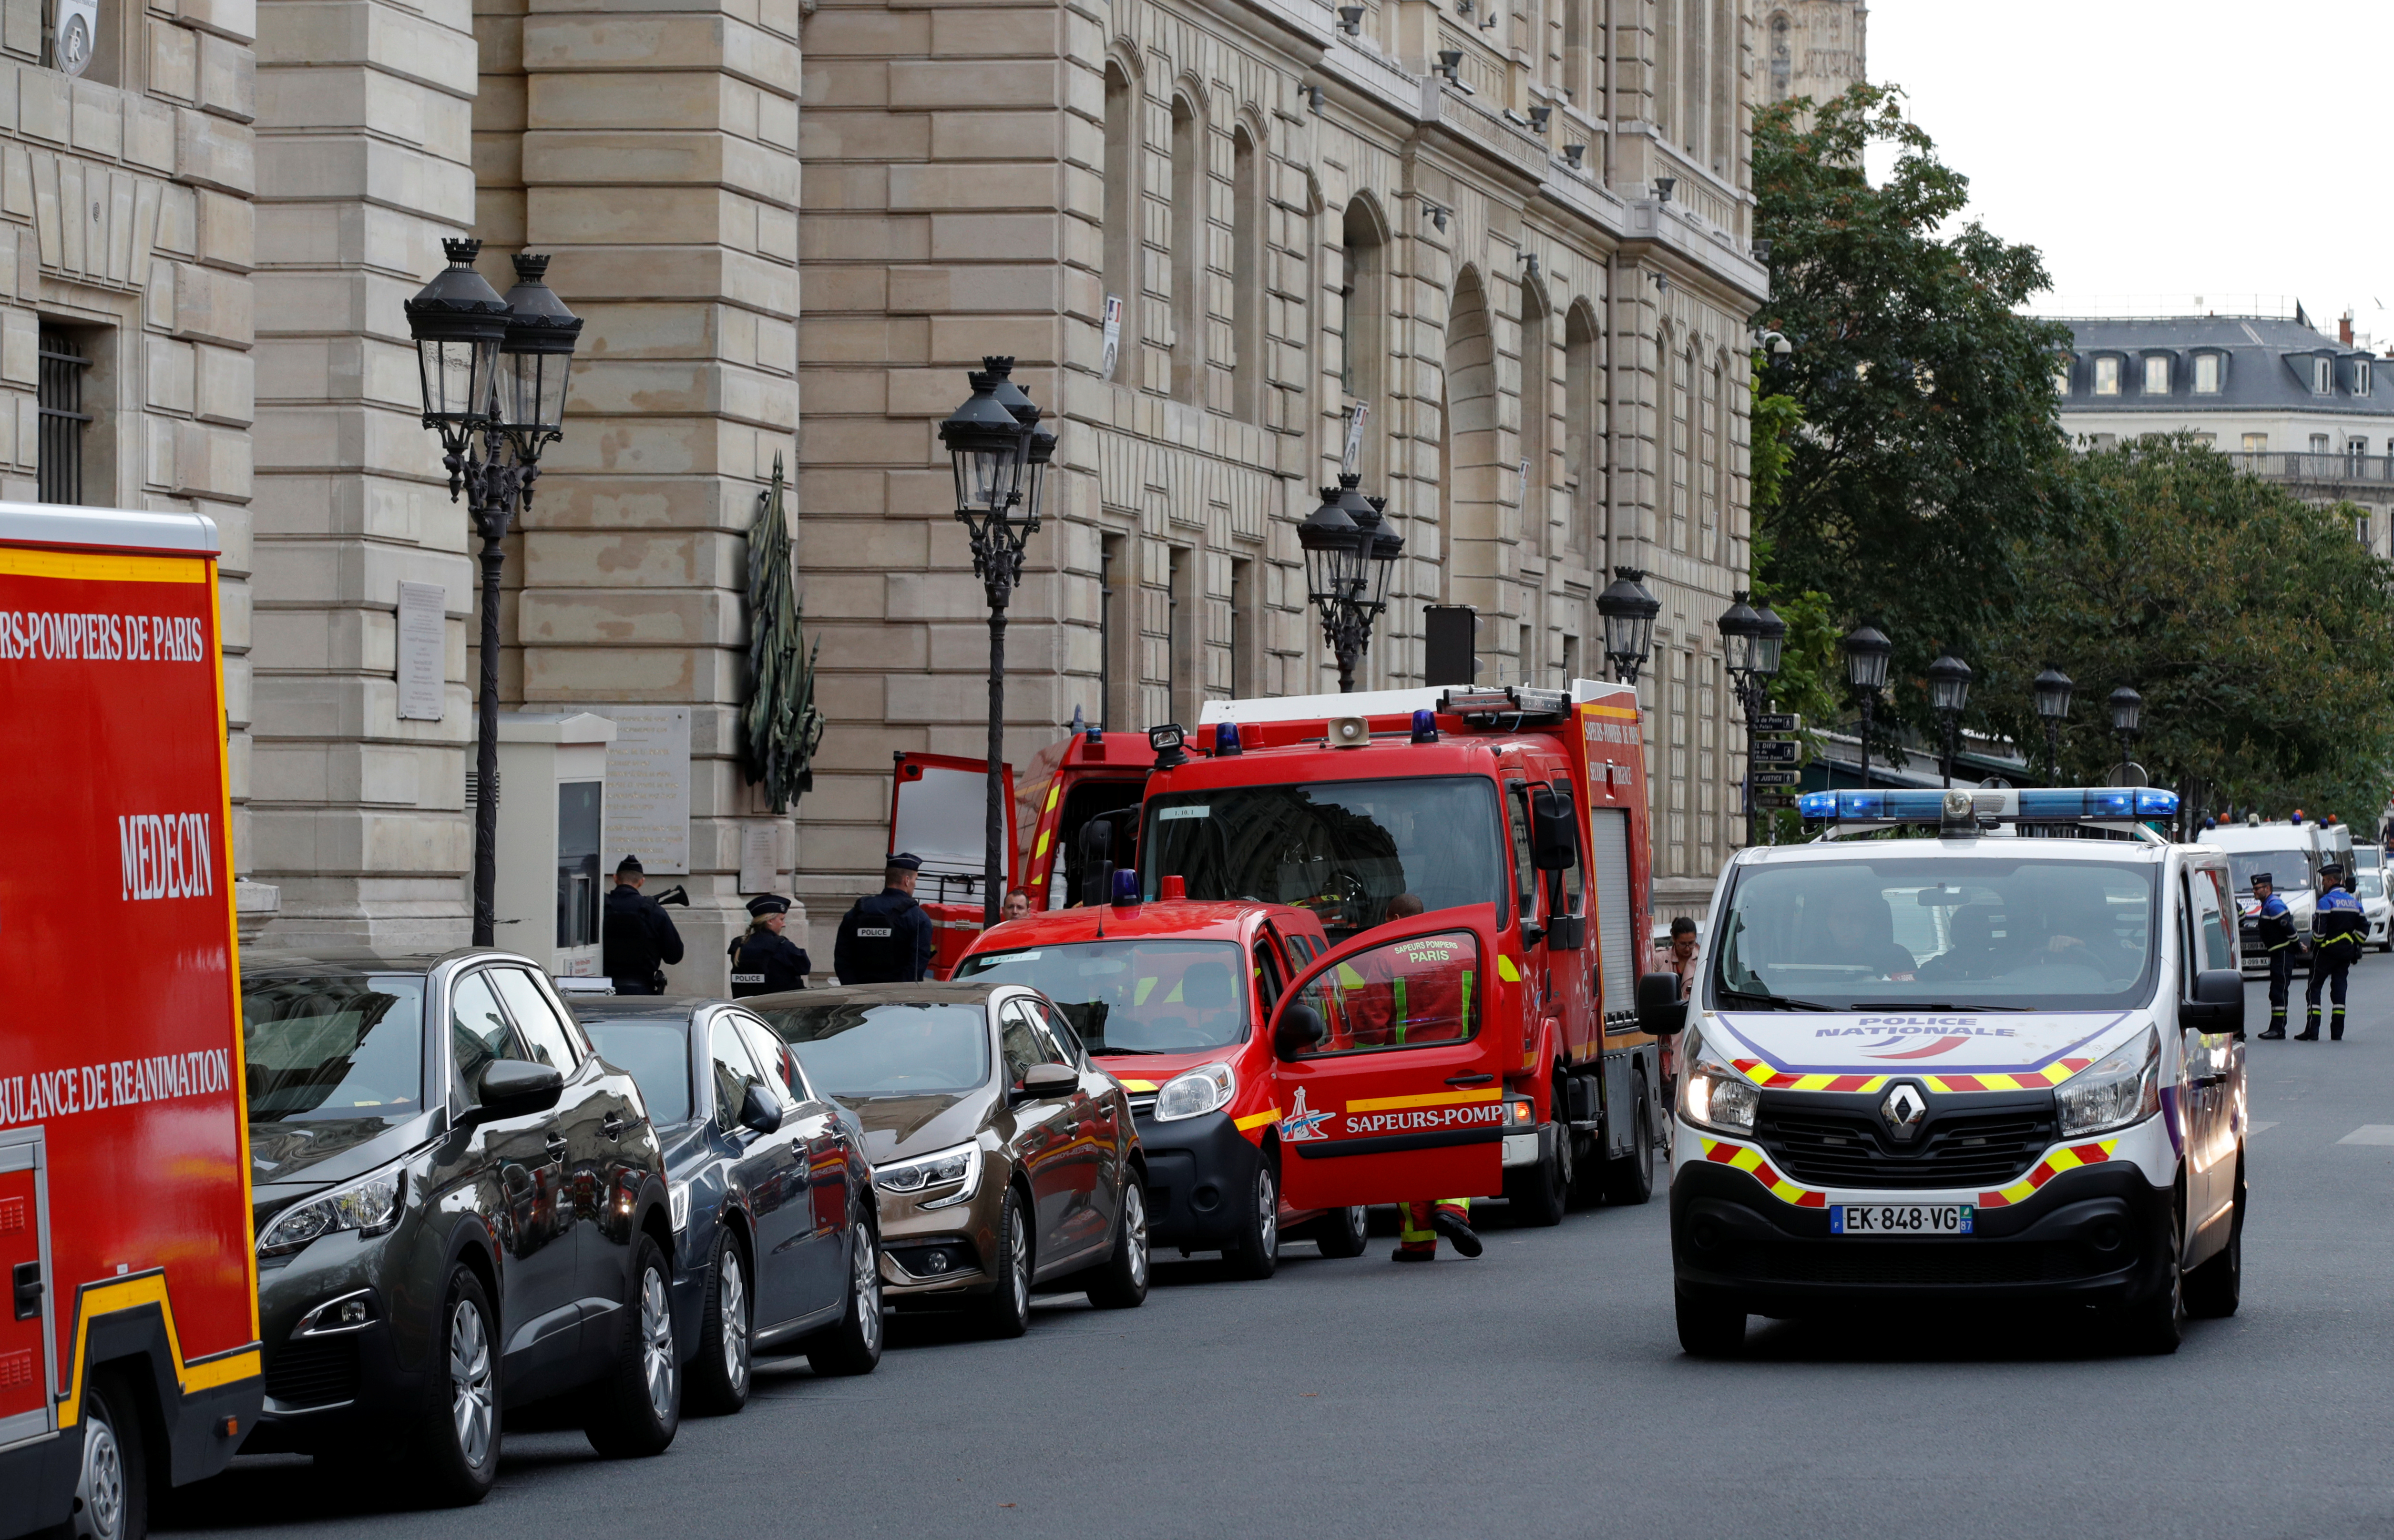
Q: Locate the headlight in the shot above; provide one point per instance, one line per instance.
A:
(368, 1205)
(2124, 1088)
(1204, 1089)
(933, 1174)
(678, 1194)
(1712, 1095)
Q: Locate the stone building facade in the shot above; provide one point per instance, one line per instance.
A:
(1517, 234)
(1813, 48)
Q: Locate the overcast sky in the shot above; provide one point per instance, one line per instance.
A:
(2154, 148)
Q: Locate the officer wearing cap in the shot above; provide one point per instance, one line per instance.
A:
(2338, 926)
(2276, 924)
(886, 939)
(763, 960)
(637, 937)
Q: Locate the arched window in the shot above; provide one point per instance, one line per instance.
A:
(1121, 233)
(1250, 366)
(1188, 252)
(1582, 432)
(1537, 411)
(1470, 473)
(1363, 305)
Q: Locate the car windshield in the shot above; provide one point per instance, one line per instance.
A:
(858, 1048)
(337, 1047)
(2287, 870)
(655, 1055)
(1342, 848)
(2372, 883)
(1928, 934)
(1143, 996)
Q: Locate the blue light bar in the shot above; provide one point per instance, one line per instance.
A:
(2037, 805)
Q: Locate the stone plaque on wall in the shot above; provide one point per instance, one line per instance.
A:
(648, 788)
(423, 652)
(759, 863)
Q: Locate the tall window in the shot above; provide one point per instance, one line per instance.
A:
(1710, 463)
(1579, 53)
(1537, 408)
(1692, 52)
(1113, 629)
(1120, 235)
(1724, 89)
(62, 417)
(2319, 443)
(1188, 252)
(1682, 368)
(2322, 376)
(1251, 365)
(2361, 376)
(1666, 53)
(1247, 629)
(1783, 60)
(2157, 373)
(2061, 378)
(1181, 689)
(2206, 373)
(2107, 376)
(1361, 307)
(1580, 438)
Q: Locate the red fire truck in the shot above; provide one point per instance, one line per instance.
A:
(1525, 806)
(130, 1357)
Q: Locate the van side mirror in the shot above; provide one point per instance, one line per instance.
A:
(760, 1110)
(516, 1088)
(1299, 1027)
(2217, 1003)
(1554, 832)
(1661, 1012)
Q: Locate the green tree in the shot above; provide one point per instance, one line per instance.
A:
(2258, 630)
(1928, 442)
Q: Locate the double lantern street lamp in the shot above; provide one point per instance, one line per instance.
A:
(494, 375)
(2052, 689)
(1867, 651)
(1752, 642)
(1948, 692)
(1002, 451)
(1349, 554)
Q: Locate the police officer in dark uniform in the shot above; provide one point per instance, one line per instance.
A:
(887, 938)
(638, 938)
(2277, 932)
(2339, 927)
(763, 960)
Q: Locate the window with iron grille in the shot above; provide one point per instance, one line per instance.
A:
(62, 419)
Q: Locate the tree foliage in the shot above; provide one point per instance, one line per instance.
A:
(1929, 440)
(2258, 630)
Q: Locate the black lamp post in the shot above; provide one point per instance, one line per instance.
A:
(1867, 651)
(1001, 454)
(493, 376)
(1350, 554)
(1948, 692)
(2128, 716)
(2053, 688)
(1751, 643)
(1628, 611)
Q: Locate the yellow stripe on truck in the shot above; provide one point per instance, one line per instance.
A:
(90, 568)
(1444, 1098)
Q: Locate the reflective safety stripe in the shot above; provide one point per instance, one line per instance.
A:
(1438, 1099)
(1773, 1078)
(1257, 1120)
(1721, 1153)
(1506, 970)
(2054, 1164)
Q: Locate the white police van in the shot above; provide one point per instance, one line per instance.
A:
(1951, 1069)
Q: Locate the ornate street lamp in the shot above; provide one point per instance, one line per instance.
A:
(494, 375)
(1628, 611)
(1000, 457)
(2052, 689)
(2127, 718)
(1867, 651)
(1948, 692)
(1350, 554)
(1751, 643)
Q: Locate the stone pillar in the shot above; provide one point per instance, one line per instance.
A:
(365, 112)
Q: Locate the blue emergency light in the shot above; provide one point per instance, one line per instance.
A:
(1424, 726)
(2034, 805)
(1225, 738)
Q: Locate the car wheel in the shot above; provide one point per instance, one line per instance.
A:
(113, 1484)
(1538, 1194)
(2157, 1324)
(1006, 1311)
(639, 1402)
(1254, 1253)
(1630, 1180)
(1120, 1284)
(2214, 1289)
(854, 1346)
(458, 1445)
(720, 1374)
(1708, 1330)
(1344, 1232)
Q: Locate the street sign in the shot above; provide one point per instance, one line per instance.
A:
(1775, 751)
(1769, 800)
(1778, 721)
(1778, 778)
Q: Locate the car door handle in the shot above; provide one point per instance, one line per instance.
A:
(1469, 1079)
(612, 1125)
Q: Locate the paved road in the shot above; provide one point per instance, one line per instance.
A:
(1541, 1391)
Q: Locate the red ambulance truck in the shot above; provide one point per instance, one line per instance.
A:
(129, 1358)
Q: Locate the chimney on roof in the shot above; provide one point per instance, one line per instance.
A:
(2344, 328)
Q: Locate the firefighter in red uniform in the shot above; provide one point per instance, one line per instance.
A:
(1425, 1005)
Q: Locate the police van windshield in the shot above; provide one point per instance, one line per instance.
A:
(1962, 934)
(1342, 848)
(340, 1047)
(2287, 870)
(855, 1050)
(1143, 996)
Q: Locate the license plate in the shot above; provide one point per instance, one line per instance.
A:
(1900, 1218)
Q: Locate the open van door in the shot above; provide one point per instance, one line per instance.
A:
(939, 810)
(1390, 1077)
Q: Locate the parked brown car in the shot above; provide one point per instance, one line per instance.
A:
(1003, 1160)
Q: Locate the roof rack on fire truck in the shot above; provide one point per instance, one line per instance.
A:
(1968, 811)
(1512, 700)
